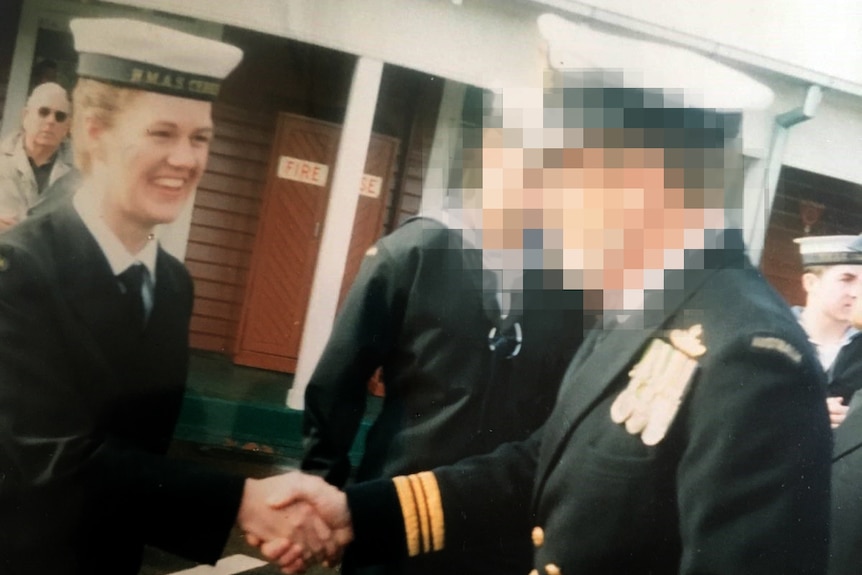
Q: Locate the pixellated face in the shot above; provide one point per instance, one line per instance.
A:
(605, 215)
(153, 157)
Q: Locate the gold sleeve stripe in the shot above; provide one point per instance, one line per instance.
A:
(434, 503)
(422, 507)
(408, 510)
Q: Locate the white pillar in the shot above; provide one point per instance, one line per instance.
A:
(338, 226)
(19, 74)
(756, 207)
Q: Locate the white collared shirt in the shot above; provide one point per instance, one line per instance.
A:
(87, 204)
(827, 353)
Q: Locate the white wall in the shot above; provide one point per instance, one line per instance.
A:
(831, 143)
(489, 42)
(821, 35)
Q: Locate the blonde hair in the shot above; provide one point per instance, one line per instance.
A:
(101, 101)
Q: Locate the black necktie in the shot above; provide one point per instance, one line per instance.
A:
(132, 286)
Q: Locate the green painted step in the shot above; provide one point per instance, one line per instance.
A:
(238, 407)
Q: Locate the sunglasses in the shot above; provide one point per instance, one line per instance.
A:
(58, 115)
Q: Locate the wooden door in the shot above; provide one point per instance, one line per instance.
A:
(371, 208)
(288, 238)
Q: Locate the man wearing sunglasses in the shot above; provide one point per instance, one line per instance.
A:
(33, 160)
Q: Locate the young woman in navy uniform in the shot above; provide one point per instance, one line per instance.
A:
(94, 319)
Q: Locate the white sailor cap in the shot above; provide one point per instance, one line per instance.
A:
(674, 76)
(153, 58)
(830, 250)
(665, 96)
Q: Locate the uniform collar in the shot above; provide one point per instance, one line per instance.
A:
(851, 332)
(827, 354)
(507, 265)
(86, 203)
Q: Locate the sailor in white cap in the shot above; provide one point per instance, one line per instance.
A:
(832, 277)
(94, 319)
(690, 433)
(846, 517)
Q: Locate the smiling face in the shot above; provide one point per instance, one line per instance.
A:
(148, 163)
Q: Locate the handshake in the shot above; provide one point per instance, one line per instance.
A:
(295, 520)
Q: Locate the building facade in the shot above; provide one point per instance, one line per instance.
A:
(343, 118)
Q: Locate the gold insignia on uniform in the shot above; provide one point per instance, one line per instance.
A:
(777, 344)
(538, 536)
(4, 263)
(422, 509)
(688, 341)
(648, 405)
(372, 251)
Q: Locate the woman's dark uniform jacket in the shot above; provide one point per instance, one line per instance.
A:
(739, 484)
(416, 309)
(87, 408)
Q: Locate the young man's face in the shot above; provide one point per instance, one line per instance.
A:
(833, 291)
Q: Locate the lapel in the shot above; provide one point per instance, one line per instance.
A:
(170, 305)
(90, 288)
(478, 278)
(26, 179)
(22, 164)
(593, 371)
(847, 437)
(61, 167)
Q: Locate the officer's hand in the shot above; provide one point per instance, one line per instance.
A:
(837, 411)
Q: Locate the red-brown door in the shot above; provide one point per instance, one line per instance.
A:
(288, 237)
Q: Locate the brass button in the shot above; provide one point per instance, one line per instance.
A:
(538, 536)
(552, 569)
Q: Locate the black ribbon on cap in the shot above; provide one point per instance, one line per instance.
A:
(147, 77)
(832, 258)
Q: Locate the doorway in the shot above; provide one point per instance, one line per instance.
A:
(284, 258)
